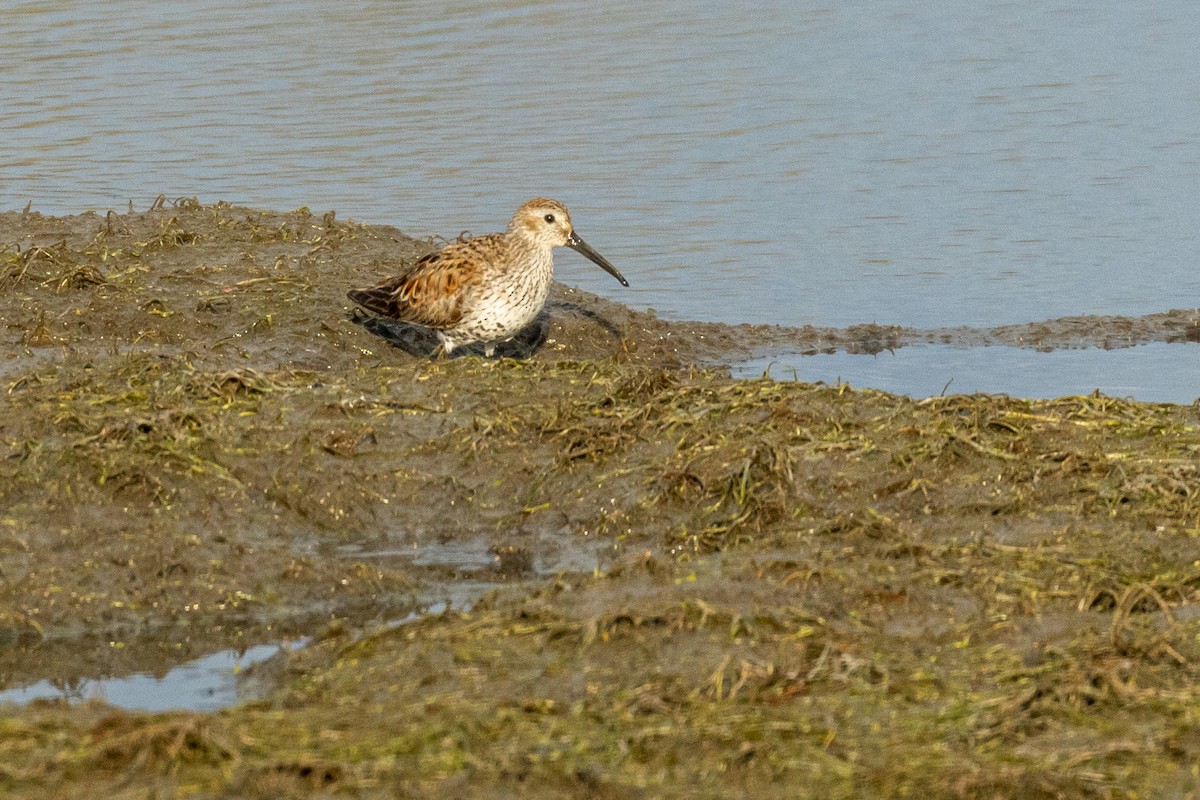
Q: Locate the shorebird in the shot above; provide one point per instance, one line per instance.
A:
(487, 288)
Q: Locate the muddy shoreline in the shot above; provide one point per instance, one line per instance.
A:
(743, 586)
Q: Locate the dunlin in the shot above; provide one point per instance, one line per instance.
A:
(487, 288)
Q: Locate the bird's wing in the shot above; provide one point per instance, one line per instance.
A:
(429, 294)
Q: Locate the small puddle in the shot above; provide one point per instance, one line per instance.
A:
(1157, 372)
(208, 683)
(211, 682)
(538, 556)
(217, 680)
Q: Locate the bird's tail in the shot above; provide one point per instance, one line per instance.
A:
(379, 299)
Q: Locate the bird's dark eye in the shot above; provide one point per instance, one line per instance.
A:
(550, 218)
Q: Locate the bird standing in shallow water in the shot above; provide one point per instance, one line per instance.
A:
(484, 289)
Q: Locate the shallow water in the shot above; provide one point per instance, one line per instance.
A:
(217, 680)
(956, 163)
(1159, 372)
(204, 684)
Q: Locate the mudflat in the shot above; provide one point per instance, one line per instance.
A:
(707, 587)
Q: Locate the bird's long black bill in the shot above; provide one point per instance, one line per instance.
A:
(575, 243)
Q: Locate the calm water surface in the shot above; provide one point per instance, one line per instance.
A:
(946, 164)
(204, 684)
(1158, 372)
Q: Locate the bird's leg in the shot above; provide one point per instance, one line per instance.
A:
(447, 346)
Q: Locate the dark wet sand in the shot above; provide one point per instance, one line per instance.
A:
(712, 587)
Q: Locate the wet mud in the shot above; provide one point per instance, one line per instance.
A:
(696, 586)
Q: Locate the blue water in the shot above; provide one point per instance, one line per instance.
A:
(918, 164)
(1167, 373)
(204, 684)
